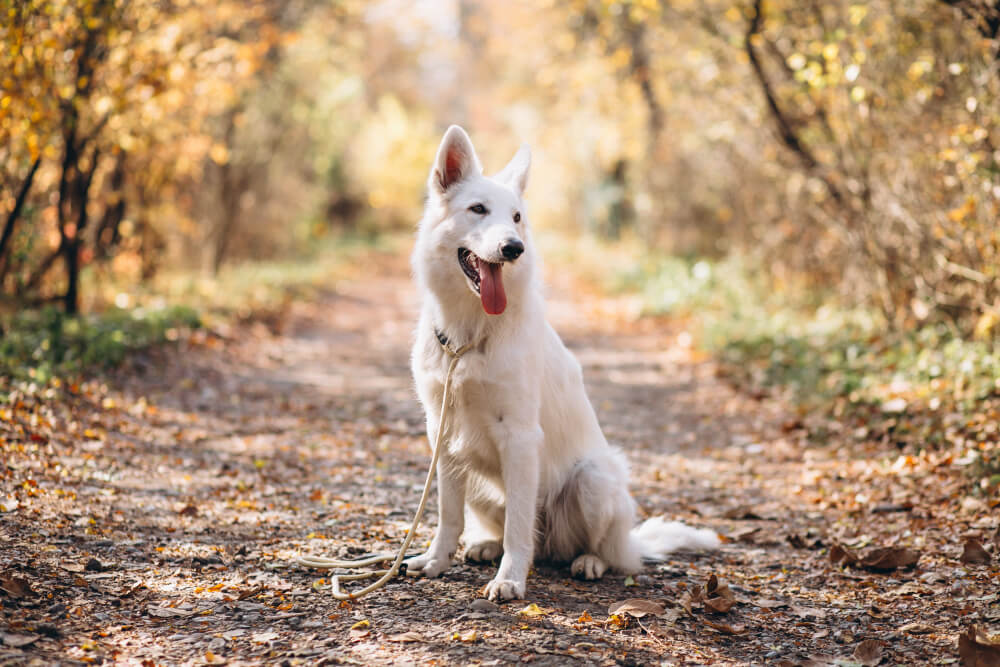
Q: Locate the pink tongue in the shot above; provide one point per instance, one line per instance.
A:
(491, 288)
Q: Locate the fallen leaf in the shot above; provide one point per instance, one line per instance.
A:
(405, 637)
(16, 640)
(806, 612)
(188, 510)
(617, 621)
(916, 628)
(766, 603)
(363, 623)
(742, 512)
(977, 650)
(890, 558)
(212, 659)
(719, 605)
(533, 610)
(265, 637)
(718, 597)
(748, 535)
(839, 553)
(16, 587)
(973, 553)
(8, 503)
(883, 559)
(249, 592)
(868, 652)
(636, 608)
(716, 588)
(725, 628)
(167, 612)
(692, 598)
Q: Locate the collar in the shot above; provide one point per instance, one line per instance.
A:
(446, 344)
(441, 337)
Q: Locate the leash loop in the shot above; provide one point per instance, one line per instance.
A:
(397, 561)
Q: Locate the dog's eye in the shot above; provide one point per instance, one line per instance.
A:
(517, 217)
(478, 208)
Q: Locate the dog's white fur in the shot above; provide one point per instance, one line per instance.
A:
(527, 471)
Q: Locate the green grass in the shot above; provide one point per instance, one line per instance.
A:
(40, 345)
(918, 391)
(807, 344)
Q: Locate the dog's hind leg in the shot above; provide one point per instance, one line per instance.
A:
(593, 514)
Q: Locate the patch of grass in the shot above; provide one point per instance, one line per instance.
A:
(40, 345)
(913, 392)
(806, 344)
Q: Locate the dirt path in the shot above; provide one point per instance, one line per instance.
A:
(159, 510)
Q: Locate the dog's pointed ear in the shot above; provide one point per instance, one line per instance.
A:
(515, 173)
(456, 160)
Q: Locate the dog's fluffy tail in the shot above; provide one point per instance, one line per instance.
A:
(656, 538)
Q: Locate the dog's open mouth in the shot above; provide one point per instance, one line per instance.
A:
(486, 279)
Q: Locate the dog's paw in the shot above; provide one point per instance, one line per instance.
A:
(484, 552)
(428, 564)
(504, 589)
(588, 566)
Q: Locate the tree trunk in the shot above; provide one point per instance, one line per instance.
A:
(15, 213)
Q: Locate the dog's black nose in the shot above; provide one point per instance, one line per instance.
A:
(512, 249)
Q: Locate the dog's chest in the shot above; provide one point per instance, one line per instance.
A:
(483, 406)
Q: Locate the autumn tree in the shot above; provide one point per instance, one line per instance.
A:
(105, 113)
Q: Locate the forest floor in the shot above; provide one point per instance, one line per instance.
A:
(151, 515)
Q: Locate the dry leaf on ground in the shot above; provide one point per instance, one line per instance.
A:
(883, 559)
(637, 608)
(16, 640)
(973, 553)
(16, 587)
(533, 610)
(977, 650)
(168, 612)
(725, 628)
(868, 652)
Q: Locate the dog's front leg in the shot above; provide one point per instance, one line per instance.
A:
(451, 522)
(519, 459)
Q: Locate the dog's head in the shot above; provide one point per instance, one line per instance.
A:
(474, 232)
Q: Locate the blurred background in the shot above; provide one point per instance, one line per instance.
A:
(848, 149)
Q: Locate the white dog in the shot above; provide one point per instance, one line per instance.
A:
(526, 471)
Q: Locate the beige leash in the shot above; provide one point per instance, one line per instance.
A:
(385, 575)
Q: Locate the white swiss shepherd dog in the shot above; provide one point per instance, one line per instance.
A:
(526, 471)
